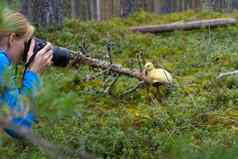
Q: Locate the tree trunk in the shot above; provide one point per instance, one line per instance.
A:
(156, 7)
(235, 4)
(116, 8)
(73, 9)
(184, 25)
(88, 9)
(108, 9)
(127, 7)
(92, 9)
(78, 58)
(48, 13)
(25, 7)
(98, 10)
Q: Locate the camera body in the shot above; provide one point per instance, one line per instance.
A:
(61, 56)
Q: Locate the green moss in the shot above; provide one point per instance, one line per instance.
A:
(79, 116)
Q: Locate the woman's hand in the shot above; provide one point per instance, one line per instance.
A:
(42, 59)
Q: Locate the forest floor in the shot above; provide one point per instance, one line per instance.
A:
(198, 119)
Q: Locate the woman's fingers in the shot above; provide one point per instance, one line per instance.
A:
(49, 54)
(43, 59)
(49, 61)
(46, 52)
(48, 57)
(47, 47)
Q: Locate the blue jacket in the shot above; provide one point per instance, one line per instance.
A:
(12, 97)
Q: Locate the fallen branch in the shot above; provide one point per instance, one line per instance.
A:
(108, 89)
(130, 90)
(94, 76)
(54, 151)
(80, 58)
(112, 71)
(184, 25)
(222, 75)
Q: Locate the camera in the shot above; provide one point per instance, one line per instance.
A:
(61, 56)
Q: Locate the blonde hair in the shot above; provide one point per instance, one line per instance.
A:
(15, 22)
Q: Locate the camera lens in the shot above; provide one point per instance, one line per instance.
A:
(61, 56)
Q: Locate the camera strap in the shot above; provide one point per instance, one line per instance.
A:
(27, 64)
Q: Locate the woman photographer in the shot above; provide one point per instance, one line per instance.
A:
(15, 32)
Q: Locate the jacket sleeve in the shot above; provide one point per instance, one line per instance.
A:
(31, 84)
(5, 78)
(10, 95)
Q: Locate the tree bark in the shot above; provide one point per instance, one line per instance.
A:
(98, 10)
(48, 13)
(156, 6)
(108, 9)
(53, 151)
(73, 9)
(222, 75)
(127, 7)
(79, 58)
(92, 9)
(25, 7)
(184, 25)
(234, 4)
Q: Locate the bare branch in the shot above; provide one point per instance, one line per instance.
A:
(115, 68)
(52, 150)
(108, 89)
(94, 76)
(109, 51)
(142, 57)
(84, 46)
(139, 62)
(222, 75)
(130, 90)
(26, 135)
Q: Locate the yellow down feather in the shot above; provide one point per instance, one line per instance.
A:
(157, 75)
